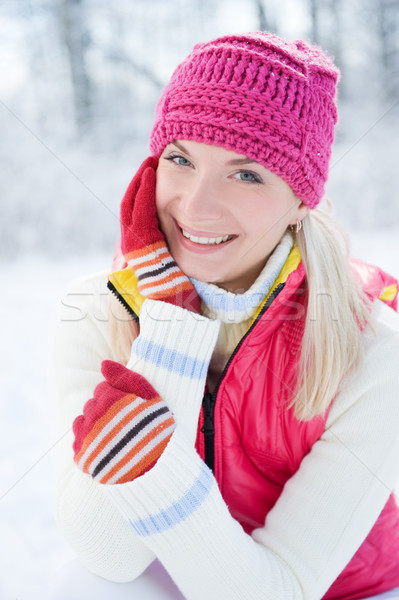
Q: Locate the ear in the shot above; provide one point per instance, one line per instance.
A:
(300, 213)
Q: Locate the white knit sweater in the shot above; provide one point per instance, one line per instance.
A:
(175, 511)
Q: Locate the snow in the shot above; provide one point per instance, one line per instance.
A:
(31, 547)
(32, 550)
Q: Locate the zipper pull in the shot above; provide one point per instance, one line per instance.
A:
(208, 406)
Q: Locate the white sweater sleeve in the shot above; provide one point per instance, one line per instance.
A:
(321, 518)
(92, 525)
(173, 352)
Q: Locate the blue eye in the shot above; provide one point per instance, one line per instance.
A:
(178, 160)
(249, 177)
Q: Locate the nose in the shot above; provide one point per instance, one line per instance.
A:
(202, 200)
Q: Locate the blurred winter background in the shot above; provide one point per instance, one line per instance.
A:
(79, 82)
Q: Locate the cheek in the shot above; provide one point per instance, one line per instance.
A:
(268, 215)
(163, 202)
(256, 218)
(160, 192)
(168, 189)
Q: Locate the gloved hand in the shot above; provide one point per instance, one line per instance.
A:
(144, 247)
(124, 428)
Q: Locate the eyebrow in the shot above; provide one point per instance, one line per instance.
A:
(233, 162)
(241, 161)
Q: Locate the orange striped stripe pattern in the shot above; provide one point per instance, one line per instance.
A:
(127, 440)
(157, 273)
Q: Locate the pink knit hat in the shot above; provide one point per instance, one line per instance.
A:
(261, 96)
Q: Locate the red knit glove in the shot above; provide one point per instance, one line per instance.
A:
(124, 428)
(144, 247)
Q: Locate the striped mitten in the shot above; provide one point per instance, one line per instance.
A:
(144, 247)
(124, 428)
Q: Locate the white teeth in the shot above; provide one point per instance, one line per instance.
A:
(204, 240)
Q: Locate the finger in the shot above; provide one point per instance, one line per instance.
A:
(126, 380)
(131, 192)
(145, 212)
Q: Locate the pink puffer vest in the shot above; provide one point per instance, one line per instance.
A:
(258, 444)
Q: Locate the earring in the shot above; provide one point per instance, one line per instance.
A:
(297, 227)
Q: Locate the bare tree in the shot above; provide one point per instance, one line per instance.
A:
(336, 34)
(335, 8)
(76, 38)
(388, 33)
(265, 21)
(314, 16)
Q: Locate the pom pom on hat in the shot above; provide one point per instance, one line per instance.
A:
(258, 95)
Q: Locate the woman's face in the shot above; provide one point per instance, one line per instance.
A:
(222, 214)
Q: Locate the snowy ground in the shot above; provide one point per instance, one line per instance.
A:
(30, 546)
(31, 549)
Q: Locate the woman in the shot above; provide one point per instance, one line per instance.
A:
(250, 442)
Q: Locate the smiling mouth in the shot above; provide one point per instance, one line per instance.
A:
(207, 241)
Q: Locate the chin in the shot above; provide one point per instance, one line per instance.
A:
(199, 275)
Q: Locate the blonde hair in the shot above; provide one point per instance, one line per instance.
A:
(337, 310)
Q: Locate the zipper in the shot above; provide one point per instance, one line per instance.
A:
(208, 428)
(209, 400)
(121, 299)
